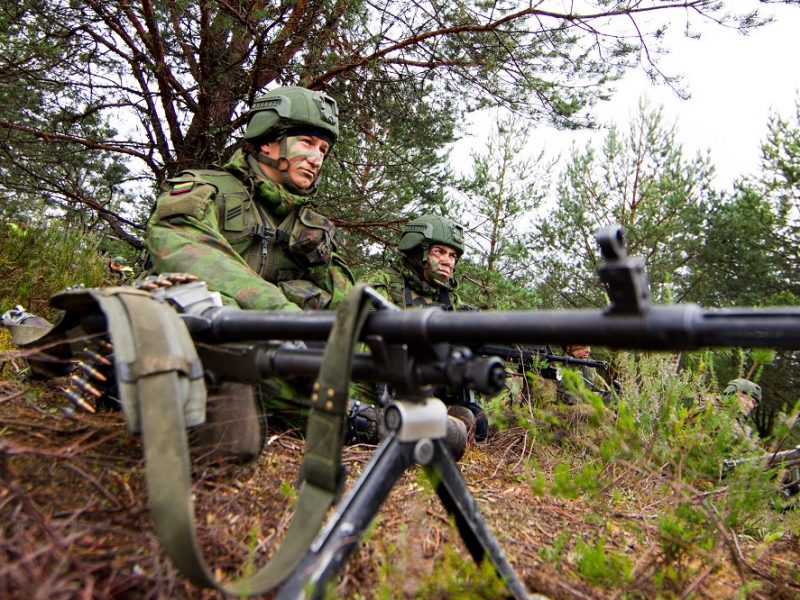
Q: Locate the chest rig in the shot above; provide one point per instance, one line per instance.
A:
(404, 294)
(277, 248)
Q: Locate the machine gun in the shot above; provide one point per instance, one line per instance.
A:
(165, 347)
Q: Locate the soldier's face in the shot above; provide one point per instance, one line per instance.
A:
(304, 153)
(746, 403)
(582, 352)
(441, 264)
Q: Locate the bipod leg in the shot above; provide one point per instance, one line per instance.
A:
(458, 501)
(334, 544)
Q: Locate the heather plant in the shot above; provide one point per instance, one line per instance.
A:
(667, 433)
(39, 259)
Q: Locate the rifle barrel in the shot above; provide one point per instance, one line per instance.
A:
(660, 327)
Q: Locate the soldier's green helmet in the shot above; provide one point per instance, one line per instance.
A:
(120, 260)
(427, 230)
(744, 386)
(292, 108)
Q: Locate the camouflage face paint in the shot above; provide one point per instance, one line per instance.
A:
(433, 274)
(746, 403)
(305, 154)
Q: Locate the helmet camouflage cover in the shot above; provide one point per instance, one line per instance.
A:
(292, 108)
(745, 386)
(432, 229)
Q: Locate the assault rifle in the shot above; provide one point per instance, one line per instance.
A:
(539, 358)
(167, 347)
(768, 459)
(789, 459)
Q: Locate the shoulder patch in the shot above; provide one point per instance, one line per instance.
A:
(181, 187)
(191, 201)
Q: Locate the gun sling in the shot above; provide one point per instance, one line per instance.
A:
(162, 392)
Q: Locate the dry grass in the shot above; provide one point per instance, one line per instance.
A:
(74, 522)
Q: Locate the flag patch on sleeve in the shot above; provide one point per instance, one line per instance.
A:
(182, 187)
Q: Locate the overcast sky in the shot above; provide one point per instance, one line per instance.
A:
(734, 82)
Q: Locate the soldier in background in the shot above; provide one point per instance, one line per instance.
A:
(591, 378)
(423, 275)
(120, 270)
(747, 397)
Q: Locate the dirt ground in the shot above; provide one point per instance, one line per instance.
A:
(74, 521)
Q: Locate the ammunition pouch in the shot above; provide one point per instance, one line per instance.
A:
(311, 240)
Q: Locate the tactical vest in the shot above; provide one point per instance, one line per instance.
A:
(278, 250)
(402, 294)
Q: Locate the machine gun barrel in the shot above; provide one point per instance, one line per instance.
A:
(658, 327)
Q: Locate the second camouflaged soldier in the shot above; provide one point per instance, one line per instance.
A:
(747, 397)
(424, 276)
(591, 378)
(249, 230)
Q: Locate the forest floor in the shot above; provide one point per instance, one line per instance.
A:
(74, 522)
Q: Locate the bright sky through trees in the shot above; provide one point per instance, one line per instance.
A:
(734, 82)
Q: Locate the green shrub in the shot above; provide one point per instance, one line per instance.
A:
(600, 566)
(37, 261)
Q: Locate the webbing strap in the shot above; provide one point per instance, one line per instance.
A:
(326, 419)
(159, 396)
(138, 329)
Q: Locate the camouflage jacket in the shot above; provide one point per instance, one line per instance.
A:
(247, 238)
(593, 381)
(400, 284)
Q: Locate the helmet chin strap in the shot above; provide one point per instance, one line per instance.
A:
(282, 165)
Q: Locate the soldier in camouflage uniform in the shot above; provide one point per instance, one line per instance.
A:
(748, 396)
(423, 276)
(593, 380)
(250, 231)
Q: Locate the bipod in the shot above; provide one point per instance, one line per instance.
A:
(416, 436)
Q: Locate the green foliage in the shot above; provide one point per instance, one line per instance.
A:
(670, 429)
(505, 186)
(570, 481)
(779, 181)
(490, 290)
(288, 491)
(682, 530)
(555, 552)
(38, 260)
(94, 114)
(457, 576)
(742, 251)
(600, 566)
(642, 180)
